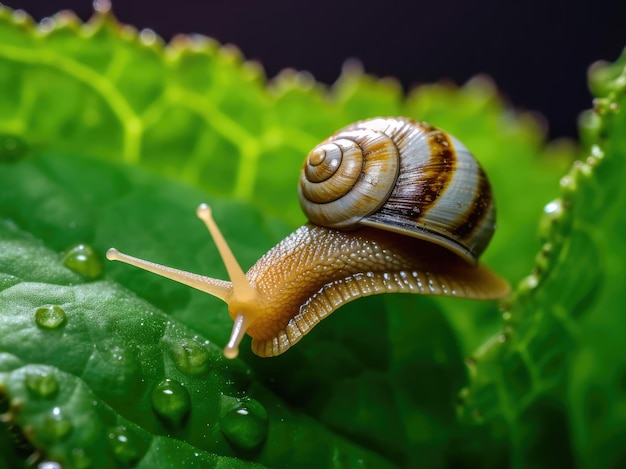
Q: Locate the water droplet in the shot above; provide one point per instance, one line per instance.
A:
(190, 356)
(243, 422)
(55, 427)
(527, 284)
(555, 221)
(102, 6)
(47, 24)
(126, 446)
(147, 36)
(568, 183)
(12, 148)
(84, 260)
(20, 16)
(554, 207)
(43, 383)
(50, 317)
(596, 152)
(49, 465)
(171, 401)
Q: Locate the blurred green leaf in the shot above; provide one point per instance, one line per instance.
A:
(555, 375)
(110, 137)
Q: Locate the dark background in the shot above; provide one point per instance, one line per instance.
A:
(538, 52)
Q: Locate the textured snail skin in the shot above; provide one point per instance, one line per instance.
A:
(316, 270)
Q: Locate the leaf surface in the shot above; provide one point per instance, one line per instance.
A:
(112, 138)
(558, 363)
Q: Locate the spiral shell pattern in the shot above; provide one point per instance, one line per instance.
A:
(349, 177)
(404, 176)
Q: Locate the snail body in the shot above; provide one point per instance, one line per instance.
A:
(394, 206)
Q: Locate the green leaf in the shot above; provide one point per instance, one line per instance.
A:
(59, 412)
(558, 364)
(116, 364)
(113, 138)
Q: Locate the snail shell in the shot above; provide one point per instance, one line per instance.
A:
(404, 176)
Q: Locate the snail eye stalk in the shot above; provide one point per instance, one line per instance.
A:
(242, 298)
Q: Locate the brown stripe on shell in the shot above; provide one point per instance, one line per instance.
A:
(430, 156)
(478, 209)
(410, 200)
(439, 172)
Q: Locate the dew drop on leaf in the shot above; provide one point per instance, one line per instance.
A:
(243, 422)
(12, 148)
(527, 284)
(171, 401)
(56, 427)
(83, 259)
(147, 36)
(20, 16)
(554, 222)
(102, 6)
(126, 449)
(47, 24)
(49, 465)
(190, 356)
(44, 384)
(50, 317)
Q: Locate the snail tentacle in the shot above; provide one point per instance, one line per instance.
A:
(245, 302)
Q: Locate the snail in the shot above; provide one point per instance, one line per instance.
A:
(394, 205)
